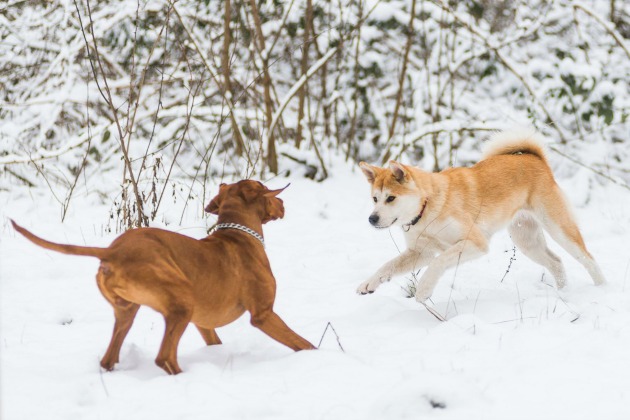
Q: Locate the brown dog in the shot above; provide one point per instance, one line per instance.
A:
(209, 282)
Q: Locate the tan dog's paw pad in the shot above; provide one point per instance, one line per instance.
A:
(365, 288)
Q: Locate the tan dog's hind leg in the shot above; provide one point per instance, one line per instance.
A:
(465, 250)
(528, 236)
(125, 312)
(558, 221)
(209, 335)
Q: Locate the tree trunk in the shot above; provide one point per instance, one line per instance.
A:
(272, 157)
(308, 18)
(227, 84)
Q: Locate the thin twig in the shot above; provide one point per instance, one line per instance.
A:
(334, 332)
(433, 312)
(512, 259)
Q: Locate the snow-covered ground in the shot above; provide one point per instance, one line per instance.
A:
(510, 349)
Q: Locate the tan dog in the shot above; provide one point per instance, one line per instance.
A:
(209, 282)
(449, 217)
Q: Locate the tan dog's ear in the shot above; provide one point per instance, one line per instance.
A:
(369, 171)
(274, 207)
(400, 172)
(215, 203)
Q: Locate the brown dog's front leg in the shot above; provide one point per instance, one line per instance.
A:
(272, 325)
(176, 322)
(209, 335)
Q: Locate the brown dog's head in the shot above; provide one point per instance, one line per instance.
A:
(249, 194)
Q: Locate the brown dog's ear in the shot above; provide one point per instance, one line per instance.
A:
(215, 203)
(274, 207)
(400, 172)
(369, 171)
(273, 193)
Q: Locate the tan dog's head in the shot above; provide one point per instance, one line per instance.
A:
(249, 194)
(397, 198)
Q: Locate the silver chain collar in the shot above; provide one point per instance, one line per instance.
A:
(242, 228)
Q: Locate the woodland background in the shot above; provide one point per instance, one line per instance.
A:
(141, 100)
(116, 114)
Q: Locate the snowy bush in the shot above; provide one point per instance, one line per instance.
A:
(157, 96)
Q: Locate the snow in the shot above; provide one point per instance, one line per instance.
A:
(514, 348)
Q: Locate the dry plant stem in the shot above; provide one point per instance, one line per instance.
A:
(213, 74)
(438, 131)
(205, 158)
(20, 177)
(66, 201)
(618, 38)
(315, 147)
(282, 25)
(106, 94)
(191, 100)
(308, 21)
(159, 106)
(355, 95)
(296, 87)
(323, 101)
(43, 174)
(512, 259)
(433, 312)
(272, 158)
(227, 83)
(506, 63)
(496, 129)
(329, 324)
(596, 171)
(401, 80)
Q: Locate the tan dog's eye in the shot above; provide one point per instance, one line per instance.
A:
(374, 198)
(390, 198)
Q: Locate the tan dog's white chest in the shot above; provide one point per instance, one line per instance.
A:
(441, 234)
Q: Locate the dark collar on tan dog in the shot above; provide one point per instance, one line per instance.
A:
(242, 228)
(415, 219)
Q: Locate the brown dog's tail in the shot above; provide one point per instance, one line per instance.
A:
(64, 249)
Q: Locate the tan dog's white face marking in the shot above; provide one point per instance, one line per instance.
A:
(394, 193)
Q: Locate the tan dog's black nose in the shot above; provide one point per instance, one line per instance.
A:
(373, 219)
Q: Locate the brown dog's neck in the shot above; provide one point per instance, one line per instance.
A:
(245, 218)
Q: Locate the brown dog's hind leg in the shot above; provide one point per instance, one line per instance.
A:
(209, 335)
(125, 312)
(272, 325)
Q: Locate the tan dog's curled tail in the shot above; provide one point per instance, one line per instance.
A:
(64, 249)
(517, 141)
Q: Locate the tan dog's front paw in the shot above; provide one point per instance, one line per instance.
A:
(369, 286)
(364, 288)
